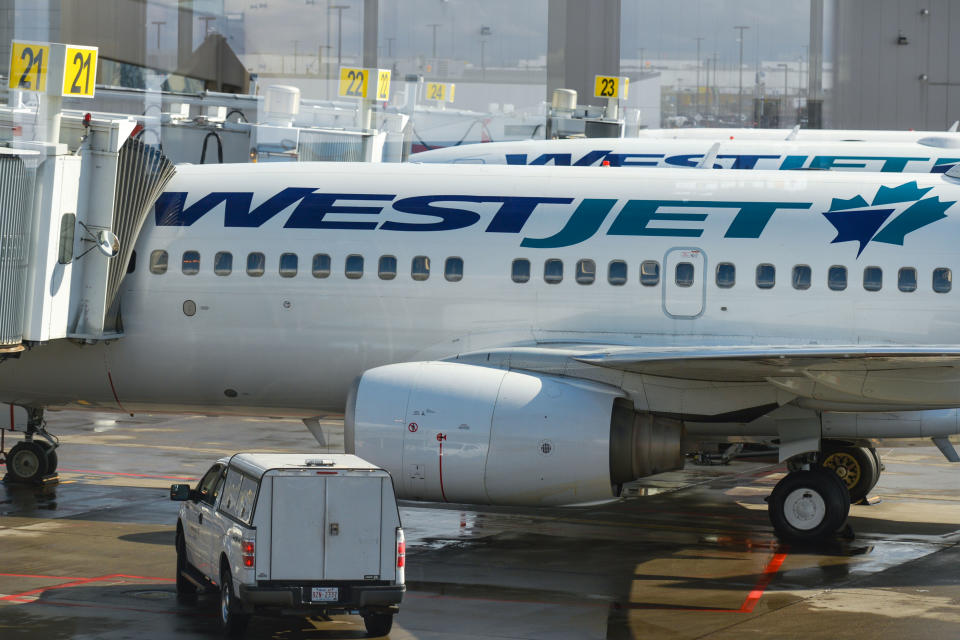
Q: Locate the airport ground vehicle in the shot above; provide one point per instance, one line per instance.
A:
(292, 534)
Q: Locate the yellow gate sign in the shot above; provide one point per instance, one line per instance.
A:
(610, 87)
(80, 71)
(29, 62)
(440, 91)
(355, 83)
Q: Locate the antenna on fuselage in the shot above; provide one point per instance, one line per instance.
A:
(793, 133)
(953, 127)
(707, 161)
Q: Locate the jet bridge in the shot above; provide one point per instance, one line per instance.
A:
(70, 213)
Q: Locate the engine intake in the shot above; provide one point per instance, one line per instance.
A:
(463, 433)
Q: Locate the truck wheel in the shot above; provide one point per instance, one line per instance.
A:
(233, 622)
(185, 588)
(378, 624)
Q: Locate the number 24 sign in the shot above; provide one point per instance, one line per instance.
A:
(71, 69)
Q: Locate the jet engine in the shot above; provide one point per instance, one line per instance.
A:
(464, 433)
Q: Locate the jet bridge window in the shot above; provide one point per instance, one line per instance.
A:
(420, 268)
(520, 271)
(586, 271)
(802, 276)
(726, 275)
(907, 279)
(387, 269)
(617, 273)
(223, 263)
(684, 274)
(650, 273)
(158, 261)
(766, 276)
(256, 264)
(288, 265)
(837, 278)
(321, 266)
(942, 280)
(553, 271)
(453, 269)
(873, 278)
(191, 263)
(353, 267)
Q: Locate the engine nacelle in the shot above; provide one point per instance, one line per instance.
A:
(463, 433)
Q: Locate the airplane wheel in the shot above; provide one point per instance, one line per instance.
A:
(52, 460)
(855, 466)
(808, 506)
(26, 462)
(879, 463)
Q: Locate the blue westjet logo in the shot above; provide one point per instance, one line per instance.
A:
(857, 221)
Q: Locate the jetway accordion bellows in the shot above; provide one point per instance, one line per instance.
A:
(142, 174)
(15, 204)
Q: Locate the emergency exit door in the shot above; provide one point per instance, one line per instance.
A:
(684, 282)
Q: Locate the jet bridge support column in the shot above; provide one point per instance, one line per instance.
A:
(583, 40)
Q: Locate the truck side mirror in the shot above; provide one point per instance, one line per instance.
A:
(180, 492)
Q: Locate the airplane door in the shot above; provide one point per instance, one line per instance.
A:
(684, 282)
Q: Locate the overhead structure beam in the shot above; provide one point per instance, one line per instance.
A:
(583, 40)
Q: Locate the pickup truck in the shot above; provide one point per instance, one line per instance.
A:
(292, 534)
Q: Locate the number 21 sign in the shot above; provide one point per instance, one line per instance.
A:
(70, 69)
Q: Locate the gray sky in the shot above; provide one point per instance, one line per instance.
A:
(664, 28)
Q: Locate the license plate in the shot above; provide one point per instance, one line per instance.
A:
(324, 594)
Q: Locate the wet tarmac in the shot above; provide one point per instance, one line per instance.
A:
(690, 555)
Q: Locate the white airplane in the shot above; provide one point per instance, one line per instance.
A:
(932, 154)
(534, 336)
(797, 133)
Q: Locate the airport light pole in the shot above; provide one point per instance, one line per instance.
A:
(339, 8)
(740, 72)
(783, 109)
(434, 26)
(698, 39)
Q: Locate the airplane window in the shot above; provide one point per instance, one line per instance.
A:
(223, 263)
(942, 280)
(837, 278)
(520, 271)
(617, 273)
(872, 278)
(191, 263)
(650, 273)
(420, 268)
(288, 265)
(321, 265)
(907, 279)
(256, 264)
(766, 276)
(553, 271)
(453, 269)
(726, 275)
(354, 266)
(132, 265)
(388, 268)
(684, 274)
(586, 271)
(158, 261)
(801, 277)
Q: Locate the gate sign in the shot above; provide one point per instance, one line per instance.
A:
(355, 83)
(611, 87)
(58, 69)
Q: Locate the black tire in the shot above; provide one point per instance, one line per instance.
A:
(879, 463)
(855, 466)
(185, 588)
(233, 622)
(26, 462)
(808, 506)
(378, 624)
(52, 459)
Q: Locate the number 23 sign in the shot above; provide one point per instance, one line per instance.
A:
(70, 69)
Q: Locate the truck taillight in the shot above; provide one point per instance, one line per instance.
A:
(249, 553)
(401, 555)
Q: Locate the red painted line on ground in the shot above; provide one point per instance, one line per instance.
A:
(121, 473)
(31, 575)
(763, 582)
(74, 582)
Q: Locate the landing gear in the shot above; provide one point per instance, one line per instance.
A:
(34, 460)
(858, 467)
(809, 505)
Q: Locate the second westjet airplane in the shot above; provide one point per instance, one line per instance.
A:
(540, 336)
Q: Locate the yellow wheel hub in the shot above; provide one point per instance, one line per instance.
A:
(845, 466)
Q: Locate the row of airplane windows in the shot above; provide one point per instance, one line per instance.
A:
(585, 272)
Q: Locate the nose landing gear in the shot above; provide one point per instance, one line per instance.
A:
(34, 460)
